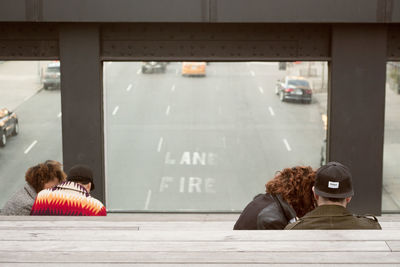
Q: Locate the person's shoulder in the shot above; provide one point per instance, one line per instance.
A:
(96, 207)
(368, 221)
(95, 202)
(311, 220)
(294, 225)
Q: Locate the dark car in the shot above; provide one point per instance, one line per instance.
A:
(8, 125)
(154, 67)
(51, 76)
(295, 89)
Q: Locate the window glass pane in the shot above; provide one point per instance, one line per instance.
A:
(391, 167)
(207, 136)
(30, 120)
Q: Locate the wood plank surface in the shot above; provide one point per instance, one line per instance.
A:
(123, 241)
(144, 226)
(203, 257)
(158, 217)
(212, 236)
(145, 217)
(194, 265)
(394, 245)
(193, 246)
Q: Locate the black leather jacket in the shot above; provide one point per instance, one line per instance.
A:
(265, 212)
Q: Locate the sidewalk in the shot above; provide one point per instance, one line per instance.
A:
(19, 80)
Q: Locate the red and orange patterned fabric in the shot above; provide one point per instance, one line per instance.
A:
(67, 199)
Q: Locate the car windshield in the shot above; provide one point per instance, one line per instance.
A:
(298, 83)
(3, 113)
(53, 69)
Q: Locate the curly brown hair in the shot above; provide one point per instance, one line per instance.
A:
(37, 176)
(295, 186)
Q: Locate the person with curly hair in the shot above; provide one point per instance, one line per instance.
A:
(42, 176)
(288, 196)
(70, 198)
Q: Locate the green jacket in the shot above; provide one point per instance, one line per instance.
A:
(333, 217)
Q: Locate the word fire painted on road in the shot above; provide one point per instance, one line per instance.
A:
(188, 184)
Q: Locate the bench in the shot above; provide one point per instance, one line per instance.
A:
(189, 239)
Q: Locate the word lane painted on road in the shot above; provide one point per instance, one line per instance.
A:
(192, 184)
(190, 158)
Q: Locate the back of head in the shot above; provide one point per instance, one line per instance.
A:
(42, 173)
(82, 174)
(295, 186)
(334, 180)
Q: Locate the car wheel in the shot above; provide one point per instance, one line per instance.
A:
(45, 87)
(16, 129)
(281, 96)
(3, 140)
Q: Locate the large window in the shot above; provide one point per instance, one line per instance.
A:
(391, 167)
(197, 136)
(30, 120)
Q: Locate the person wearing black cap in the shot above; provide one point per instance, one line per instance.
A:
(71, 198)
(333, 190)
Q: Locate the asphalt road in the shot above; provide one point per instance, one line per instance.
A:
(178, 143)
(201, 144)
(39, 139)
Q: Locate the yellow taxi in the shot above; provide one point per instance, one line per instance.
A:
(194, 69)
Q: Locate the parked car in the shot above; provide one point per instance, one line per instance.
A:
(294, 88)
(51, 76)
(8, 125)
(154, 67)
(194, 69)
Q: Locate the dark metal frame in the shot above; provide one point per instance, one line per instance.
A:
(83, 33)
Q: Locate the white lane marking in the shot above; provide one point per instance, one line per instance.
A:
(224, 141)
(219, 110)
(271, 111)
(146, 205)
(261, 90)
(167, 111)
(287, 145)
(30, 147)
(59, 115)
(138, 71)
(173, 88)
(252, 73)
(129, 87)
(115, 110)
(160, 142)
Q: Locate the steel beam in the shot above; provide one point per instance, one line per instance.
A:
(82, 100)
(238, 11)
(356, 109)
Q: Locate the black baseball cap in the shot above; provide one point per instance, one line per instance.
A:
(81, 173)
(333, 180)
